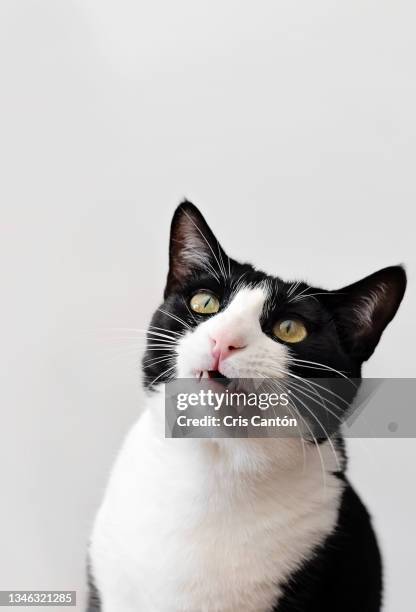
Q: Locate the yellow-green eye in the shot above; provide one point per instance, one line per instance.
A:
(205, 303)
(290, 330)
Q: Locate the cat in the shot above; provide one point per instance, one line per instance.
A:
(240, 525)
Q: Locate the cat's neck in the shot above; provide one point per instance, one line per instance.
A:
(246, 461)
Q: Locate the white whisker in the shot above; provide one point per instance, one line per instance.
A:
(161, 374)
(322, 366)
(178, 319)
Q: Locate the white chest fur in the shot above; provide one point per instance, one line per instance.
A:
(198, 526)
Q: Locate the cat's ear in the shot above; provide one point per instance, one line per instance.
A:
(364, 309)
(193, 247)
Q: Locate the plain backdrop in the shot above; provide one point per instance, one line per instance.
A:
(290, 123)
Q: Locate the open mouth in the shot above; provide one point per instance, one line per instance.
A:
(214, 375)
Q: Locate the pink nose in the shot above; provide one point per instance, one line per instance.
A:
(226, 344)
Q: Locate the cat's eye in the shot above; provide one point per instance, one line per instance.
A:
(290, 330)
(205, 303)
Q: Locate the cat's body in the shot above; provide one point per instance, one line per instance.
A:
(239, 525)
(212, 503)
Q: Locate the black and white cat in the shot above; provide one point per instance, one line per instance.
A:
(240, 525)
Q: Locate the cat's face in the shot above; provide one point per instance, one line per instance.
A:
(224, 318)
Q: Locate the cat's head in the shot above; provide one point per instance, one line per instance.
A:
(224, 318)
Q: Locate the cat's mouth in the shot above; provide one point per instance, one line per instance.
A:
(214, 375)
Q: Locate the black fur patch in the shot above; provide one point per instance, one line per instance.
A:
(94, 602)
(344, 574)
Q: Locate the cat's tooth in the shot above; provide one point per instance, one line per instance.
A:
(205, 374)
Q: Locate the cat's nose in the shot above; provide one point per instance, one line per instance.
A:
(226, 344)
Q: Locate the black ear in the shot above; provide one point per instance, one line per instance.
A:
(363, 310)
(193, 247)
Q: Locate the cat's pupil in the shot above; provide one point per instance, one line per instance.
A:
(207, 302)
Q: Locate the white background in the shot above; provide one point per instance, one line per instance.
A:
(290, 123)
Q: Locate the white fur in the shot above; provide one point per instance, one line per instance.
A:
(262, 356)
(211, 525)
